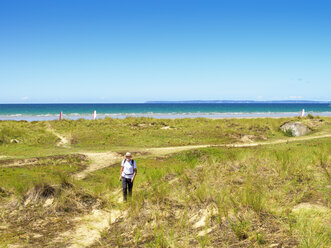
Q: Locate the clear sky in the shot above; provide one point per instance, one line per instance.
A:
(138, 50)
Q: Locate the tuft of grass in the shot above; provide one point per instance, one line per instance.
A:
(260, 238)
(253, 197)
(240, 227)
(204, 241)
(312, 226)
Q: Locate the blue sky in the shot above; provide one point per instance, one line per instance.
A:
(133, 51)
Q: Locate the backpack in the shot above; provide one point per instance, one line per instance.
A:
(132, 164)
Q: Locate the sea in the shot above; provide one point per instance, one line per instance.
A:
(39, 112)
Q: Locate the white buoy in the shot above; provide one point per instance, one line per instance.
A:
(60, 117)
(94, 114)
(302, 113)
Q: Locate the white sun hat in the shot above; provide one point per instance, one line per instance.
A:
(128, 154)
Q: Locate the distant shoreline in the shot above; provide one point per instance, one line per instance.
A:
(242, 101)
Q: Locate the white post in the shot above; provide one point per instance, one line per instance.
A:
(302, 113)
(94, 114)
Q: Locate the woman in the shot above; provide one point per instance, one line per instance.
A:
(128, 174)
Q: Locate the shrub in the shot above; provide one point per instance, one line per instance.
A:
(310, 116)
(7, 134)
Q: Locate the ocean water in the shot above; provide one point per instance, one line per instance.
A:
(33, 112)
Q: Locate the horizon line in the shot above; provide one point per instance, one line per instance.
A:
(175, 101)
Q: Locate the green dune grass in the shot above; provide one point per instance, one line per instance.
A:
(263, 196)
(38, 138)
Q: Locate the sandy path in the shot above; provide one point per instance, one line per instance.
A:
(64, 142)
(280, 141)
(99, 160)
(89, 228)
(169, 150)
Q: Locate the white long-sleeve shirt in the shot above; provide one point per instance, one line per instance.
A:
(128, 168)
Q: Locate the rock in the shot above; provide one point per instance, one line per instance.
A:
(204, 232)
(295, 128)
(37, 236)
(48, 202)
(14, 141)
(142, 125)
(247, 138)
(14, 246)
(3, 227)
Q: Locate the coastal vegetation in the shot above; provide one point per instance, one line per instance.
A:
(40, 138)
(267, 195)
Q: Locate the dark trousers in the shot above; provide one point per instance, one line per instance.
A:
(127, 185)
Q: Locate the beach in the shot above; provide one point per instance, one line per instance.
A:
(38, 112)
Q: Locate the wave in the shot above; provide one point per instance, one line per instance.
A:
(168, 115)
(16, 115)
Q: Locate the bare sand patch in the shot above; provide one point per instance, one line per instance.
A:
(89, 228)
(309, 206)
(165, 127)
